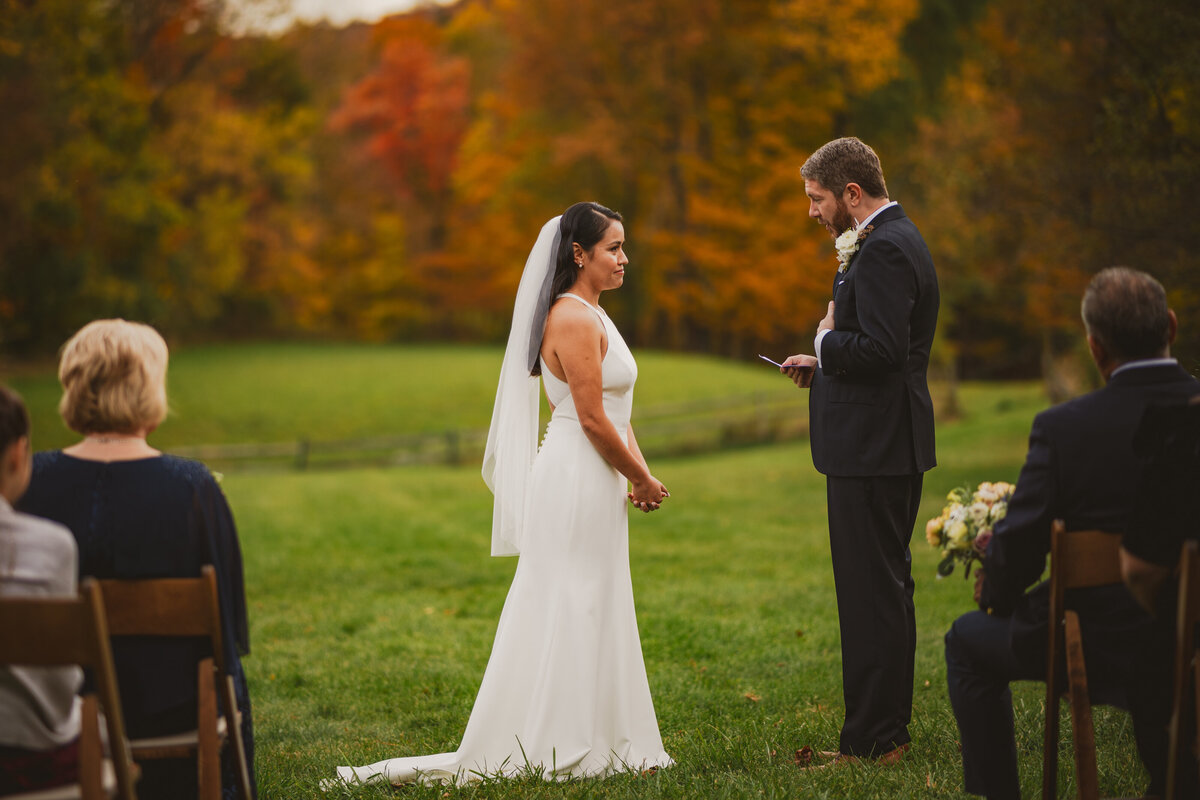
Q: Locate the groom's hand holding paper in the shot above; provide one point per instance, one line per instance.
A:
(799, 368)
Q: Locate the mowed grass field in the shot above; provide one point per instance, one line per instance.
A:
(281, 392)
(374, 601)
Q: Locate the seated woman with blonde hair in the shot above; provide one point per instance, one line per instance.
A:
(138, 513)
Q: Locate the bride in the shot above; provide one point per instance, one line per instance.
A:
(565, 691)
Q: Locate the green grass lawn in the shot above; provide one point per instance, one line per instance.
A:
(280, 392)
(373, 599)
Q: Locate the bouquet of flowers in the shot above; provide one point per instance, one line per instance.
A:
(964, 527)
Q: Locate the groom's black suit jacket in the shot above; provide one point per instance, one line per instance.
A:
(1080, 468)
(869, 408)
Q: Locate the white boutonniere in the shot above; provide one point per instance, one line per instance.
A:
(847, 245)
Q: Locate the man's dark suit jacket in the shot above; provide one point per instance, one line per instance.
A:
(1081, 468)
(869, 409)
(1169, 438)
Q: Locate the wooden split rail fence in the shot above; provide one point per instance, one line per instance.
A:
(666, 430)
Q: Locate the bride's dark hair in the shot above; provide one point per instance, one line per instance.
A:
(583, 224)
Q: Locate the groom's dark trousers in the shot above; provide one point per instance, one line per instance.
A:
(871, 429)
(870, 524)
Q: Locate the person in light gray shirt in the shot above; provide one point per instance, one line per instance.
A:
(39, 706)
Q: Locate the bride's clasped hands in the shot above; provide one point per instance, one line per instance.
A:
(648, 496)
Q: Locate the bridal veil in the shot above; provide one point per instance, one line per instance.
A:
(512, 437)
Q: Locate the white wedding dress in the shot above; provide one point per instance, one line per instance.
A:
(565, 691)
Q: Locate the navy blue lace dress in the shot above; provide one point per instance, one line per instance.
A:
(155, 517)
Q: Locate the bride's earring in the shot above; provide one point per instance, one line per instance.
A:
(579, 264)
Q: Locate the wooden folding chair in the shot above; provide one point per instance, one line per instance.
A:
(1078, 559)
(61, 631)
(186, 607)
(1187, 670)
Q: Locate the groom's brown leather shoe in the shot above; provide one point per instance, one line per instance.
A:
(893, 756)
(839, 759)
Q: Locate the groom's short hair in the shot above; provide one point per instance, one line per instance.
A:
(844, 161)
(1126, 311)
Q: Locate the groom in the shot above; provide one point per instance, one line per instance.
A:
(871, 428)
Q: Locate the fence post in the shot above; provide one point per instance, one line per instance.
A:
(453, 454)
(302, 448)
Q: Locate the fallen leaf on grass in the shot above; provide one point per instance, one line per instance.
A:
(804, 756)
(799, 632)
(929, 781)
(752, 697)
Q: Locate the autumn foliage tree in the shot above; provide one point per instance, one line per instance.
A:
(692, 119)
(412, 112)
(385, 181)
(136, 185)
(413, 109)
(1043, 182)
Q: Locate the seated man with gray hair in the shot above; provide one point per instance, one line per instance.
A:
(1081, 468)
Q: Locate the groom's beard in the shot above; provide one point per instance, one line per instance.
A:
(841, 220)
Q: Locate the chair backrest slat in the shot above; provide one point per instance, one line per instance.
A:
(1087, 558)
(47, 631)
(158, 607)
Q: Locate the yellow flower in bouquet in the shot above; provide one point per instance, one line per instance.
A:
(964, 527)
